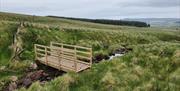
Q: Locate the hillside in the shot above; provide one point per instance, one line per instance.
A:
(152, 64)
(159, 22)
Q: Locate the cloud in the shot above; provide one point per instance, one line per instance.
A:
(94, 8)
(152, 3)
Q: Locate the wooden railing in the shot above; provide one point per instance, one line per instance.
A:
(73, 53)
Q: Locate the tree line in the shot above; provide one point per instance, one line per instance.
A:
(109, 21)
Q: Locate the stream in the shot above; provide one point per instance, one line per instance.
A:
(114, 56)
(117, 53)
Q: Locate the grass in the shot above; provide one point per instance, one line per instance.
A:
(134, 71)
(152, 65)
(6, 38)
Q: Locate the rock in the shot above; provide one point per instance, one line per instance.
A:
(13, 78)
(2, 68)
(32, 77)
(45, 74)
(27, 82)
(106, 57)
(33, 66)
(12, 86)
(37, 75)
(99, 57)
(129, 49)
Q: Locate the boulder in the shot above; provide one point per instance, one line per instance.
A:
(36, 75)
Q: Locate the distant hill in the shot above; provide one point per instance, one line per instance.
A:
(168, 22)
(109, 21)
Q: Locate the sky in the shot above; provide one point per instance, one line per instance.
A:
(96, 9)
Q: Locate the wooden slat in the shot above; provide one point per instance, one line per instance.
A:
(67, 57)
(79, 61)
(75, 58)
(68, 50)
(83, 57)
(52, 43)
(41, 54)
(87, 53)
(40, 46)
(80, 47)
(61, 66)
(54, 55)
(40, 50)
(91, 58)
(35, 52)
(68, 45)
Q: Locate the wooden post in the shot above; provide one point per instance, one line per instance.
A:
(90, 57)
(51, 44)
(46, 55)
(75, 59)
(35, 51)
(60, 57)
(62, 52)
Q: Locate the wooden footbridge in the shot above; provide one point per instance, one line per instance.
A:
(64, 57)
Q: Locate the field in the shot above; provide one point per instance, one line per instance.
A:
(152, 65)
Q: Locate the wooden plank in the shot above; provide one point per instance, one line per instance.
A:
(68, 45)
(91, 58)
(66, 64)
(46, 56)
(87, 53)
(86, 63)
(75, 58)
(59, 58)
(55, 55)
(67, 57)
(35, 52)
(68, 50)
(63, 62)
(83, 57)
(68, 54)
(40, 50)
(55, 47)
(41, 54)
(54, 43)
(80, 47)
(40, 46)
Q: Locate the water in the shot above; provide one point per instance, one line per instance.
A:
(116, 55)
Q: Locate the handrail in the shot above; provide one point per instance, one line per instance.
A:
(52, 43)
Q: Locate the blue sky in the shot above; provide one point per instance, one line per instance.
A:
(110, 9)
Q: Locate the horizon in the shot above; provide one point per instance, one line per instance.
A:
(102, 9)
(90, 18)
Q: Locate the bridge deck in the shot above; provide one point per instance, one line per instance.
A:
(64, 64)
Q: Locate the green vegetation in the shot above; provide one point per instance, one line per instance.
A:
(148, 68)
(152, 65)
